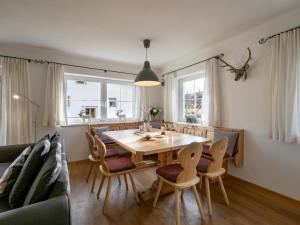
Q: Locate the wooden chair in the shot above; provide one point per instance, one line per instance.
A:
(181, 176)
(113, 167)
(95, 159)
(212, 169)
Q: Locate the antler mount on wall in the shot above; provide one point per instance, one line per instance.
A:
(241, 72)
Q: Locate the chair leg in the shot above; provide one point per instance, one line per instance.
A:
(200, 182)
(160, 184)
(101, 185)
(105, 205)
(223, 190)
(90, 171)
(95, 177)
(178, 199)
(200, 207)
(133, 187)
(119, 179)
(208, 195)
(125, 179)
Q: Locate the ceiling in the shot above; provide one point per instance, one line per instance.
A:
(114, 30)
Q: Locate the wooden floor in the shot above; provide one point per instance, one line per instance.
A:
(250, 205)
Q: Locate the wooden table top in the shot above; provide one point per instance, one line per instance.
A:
(136, 143)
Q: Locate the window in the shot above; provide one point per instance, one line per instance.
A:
(190, 99)
(90, 99)
(119, 97)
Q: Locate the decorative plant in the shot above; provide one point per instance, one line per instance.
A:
(154, 110)
(150, 113)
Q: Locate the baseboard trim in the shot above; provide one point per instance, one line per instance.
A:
(263, 188)
(78, 161)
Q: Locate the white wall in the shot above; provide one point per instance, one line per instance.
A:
(74, 136)
(268, 163)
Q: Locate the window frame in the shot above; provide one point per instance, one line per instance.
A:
(103, 95)
(181, 80)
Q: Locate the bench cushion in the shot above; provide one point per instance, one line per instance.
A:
(232, 138)
(205, 151)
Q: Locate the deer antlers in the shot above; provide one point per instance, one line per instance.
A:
(239, 73)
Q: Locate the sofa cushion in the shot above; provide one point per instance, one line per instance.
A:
(232, 138)
(41, 187)
(45, 137)
(31, 168)
(11, 174)
(3, 167)
(4, 206)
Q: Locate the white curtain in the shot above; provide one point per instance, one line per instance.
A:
(16, 114)
(54, 112)
(142, 102)
(285, 87)
(170, 98)
(211, 115)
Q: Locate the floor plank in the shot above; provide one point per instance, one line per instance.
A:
(249, 205)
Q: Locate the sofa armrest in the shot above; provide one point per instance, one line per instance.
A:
(9, 153)
(54, 211)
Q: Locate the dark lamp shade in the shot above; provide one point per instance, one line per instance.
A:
(146, 77)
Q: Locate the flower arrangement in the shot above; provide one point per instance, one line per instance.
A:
(154, 111)
(151, 113)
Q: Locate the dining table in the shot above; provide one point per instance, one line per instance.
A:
(142, 144)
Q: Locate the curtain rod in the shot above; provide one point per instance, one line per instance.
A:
(64, 64)
(204, 60)
(264, 40)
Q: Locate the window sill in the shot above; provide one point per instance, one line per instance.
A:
(100, 122)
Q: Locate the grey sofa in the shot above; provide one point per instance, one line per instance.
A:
(53, 211)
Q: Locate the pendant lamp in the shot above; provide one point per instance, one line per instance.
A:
(146, 77)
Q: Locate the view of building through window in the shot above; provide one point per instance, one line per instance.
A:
(191, 98)
(94, 99)
(119, 96)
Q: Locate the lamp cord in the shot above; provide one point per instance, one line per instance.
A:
(146, 54)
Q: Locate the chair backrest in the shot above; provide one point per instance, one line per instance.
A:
(91, 143)
(189, 158)
(217, 151)
(102, 152)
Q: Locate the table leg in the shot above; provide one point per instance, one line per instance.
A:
(164, 158)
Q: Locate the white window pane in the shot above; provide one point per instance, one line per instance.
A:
(112, 109)
(199, 85)
(83, 90)
(127, 92)
(127, 108)
(113, 91)
(188, 87)
(83, 100)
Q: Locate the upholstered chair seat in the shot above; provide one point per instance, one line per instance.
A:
(203, 165)
(108, 142)
(110, 153)
(120, 164)
(170, 172)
